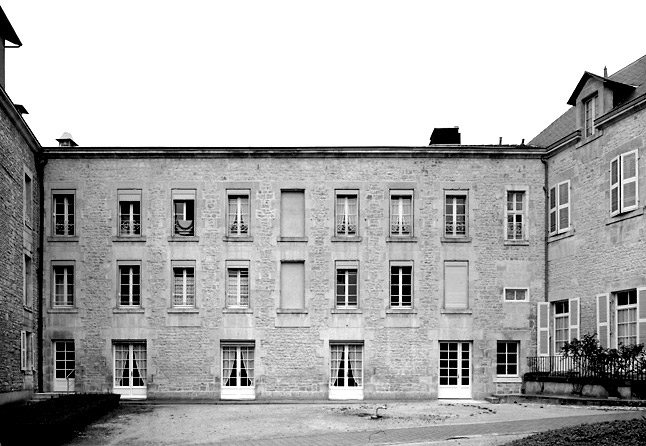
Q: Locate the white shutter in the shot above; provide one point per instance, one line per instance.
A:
(552, 199)
(603, 319)
(32, 361)
(564, 206)
(543, 329)
(614, 186)
(23, 350)
(629, 181)
(641, 315)
(575, 319)
(456, 285)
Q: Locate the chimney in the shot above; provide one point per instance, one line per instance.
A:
(605, 72)
(7, 35)
(445, 136)
(66, 140)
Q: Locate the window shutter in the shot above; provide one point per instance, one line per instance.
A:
(543, 324)
(614, 186)
(629, 181)
(456, 285)
(32, 361)
(553, 211)
(641, 314)
(603, 315)
(564, 206)
(575, 319)
(23, 350)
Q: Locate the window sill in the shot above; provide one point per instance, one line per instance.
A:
(131, 239)
(403, 239)
(292, 239)
(228, 238)
(64, 238)
(625, 216)
(557, 237)
(455, 239)
(26, 308)
(178, 310)
(349, 239)
(516, 242)
(588, 139)
(456, 311)
(291, 311)
(346, 311)
(402, 311)
(59, 310)
(508, 379)
(183, 239)
(122, 310)
(237, 311)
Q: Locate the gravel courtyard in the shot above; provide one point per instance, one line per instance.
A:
(195, 424)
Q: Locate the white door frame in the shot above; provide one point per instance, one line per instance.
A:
(66, 383)
(130, 391)
(455, 370)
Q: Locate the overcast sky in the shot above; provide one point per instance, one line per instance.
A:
(305, 73)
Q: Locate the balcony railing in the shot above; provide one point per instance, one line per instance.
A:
(584, 367)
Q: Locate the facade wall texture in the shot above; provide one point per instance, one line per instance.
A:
(292, 348)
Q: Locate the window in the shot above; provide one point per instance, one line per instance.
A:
(455, 214)
(401, 213)
(590, 107)
(401, 285)
(561, 324)
(183, 284)
(129, 285)
(130, 370)
(26, 351)
(129, 212)
(623, 183)
(292, 213)
(292, 285)
(237, 285)
(63, 285)
(516, 294)
(346, 285)
(27, 286)
(347, 214)
(507, 358)
(560, 208)
(238, 213)
(29, 201)
(238, 371)
(184, 212)
(456, 285)
(346, 370)
(63, 213)
(515, 211)
(64, 366)
(626, 317)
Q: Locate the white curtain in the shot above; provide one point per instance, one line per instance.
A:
(246, 366)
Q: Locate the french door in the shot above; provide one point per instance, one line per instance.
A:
(455, 370)
(238, 381)
(130, 365)
(64, 366)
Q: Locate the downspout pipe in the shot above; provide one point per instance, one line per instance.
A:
(546, 191)
(41, 161)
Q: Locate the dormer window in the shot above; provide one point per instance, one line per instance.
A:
(590, 108)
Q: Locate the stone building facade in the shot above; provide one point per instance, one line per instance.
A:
(292, 273)
(20, 185)
(596, 249)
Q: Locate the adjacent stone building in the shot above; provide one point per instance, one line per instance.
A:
(20, 186)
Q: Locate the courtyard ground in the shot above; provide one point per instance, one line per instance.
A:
(434, 422)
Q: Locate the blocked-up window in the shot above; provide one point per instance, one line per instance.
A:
(507, 358)
(456, 285)
(129, 212)
(292, 213)
(63, 279)
(238, 213)
(455, 214)
(292, 285)
(183, 284)
(623, 183)
(347, 213)
(401, 285)
(515, 216)
(184, 212)
(237, 284)
(63, 212)
(559, 216)
(347, 290)
(129, 284)
(401, 213)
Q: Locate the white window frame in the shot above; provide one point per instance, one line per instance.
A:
(68, 363)
(629, 308)
(184, 224)
(619, 186)
(590, 109)
(397, 269)
(399, 227)
(451, 218)
(506, 291)
(238, 391)
(348, 268)
(238, 222)
(130, 221)
(68, 197)
(556, 207)
(343, 366)
(346, 221)
(558, 316)
(184, 299)
(134, 270)
(130, 390)
(506, 363)
(235, 295)
(69, 274)
(27, 361)
(516, 214)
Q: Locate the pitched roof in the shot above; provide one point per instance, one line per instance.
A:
(632, 75)
(6, 30)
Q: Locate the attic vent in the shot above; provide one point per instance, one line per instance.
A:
(445, 136)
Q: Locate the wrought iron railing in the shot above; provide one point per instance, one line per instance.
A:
(584, 367)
